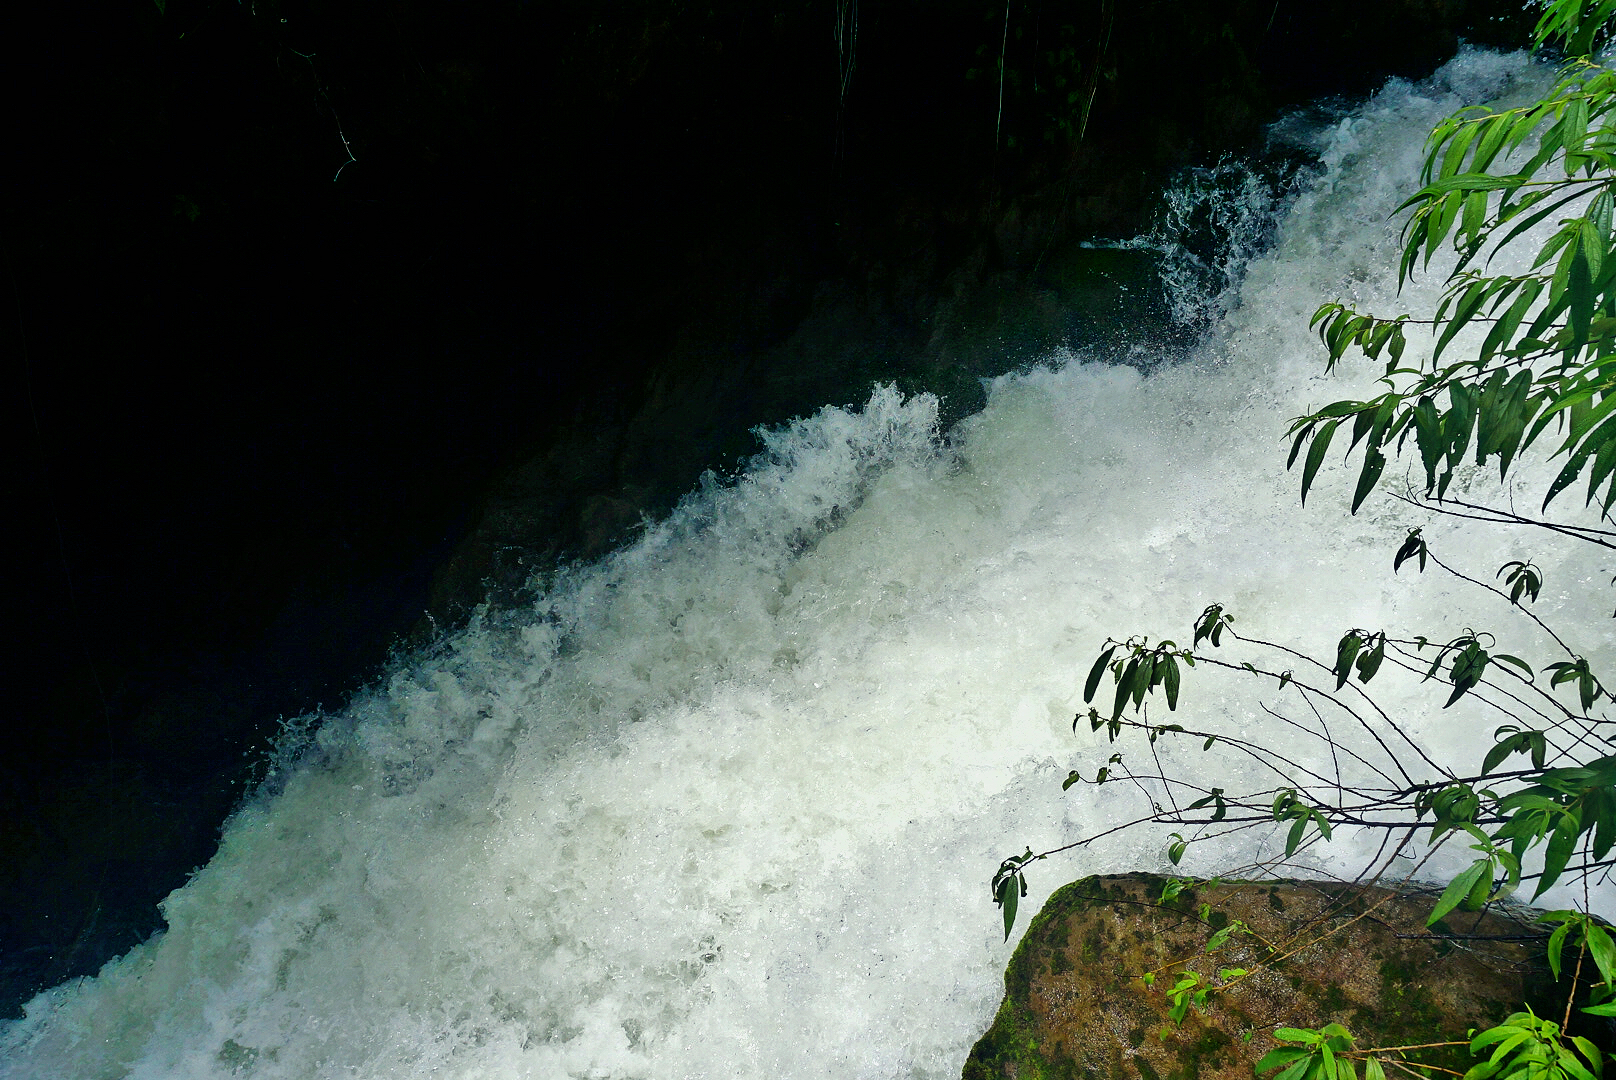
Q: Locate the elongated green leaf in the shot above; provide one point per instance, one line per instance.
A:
(1125, 687)
(1464, 310)
(1428, 434)
(1346, 651)
(1374, 464)
(1603, 951)
(1144, 679)
(1490, 409)
(1471, 181)
(1600, 805)
(1494, 129)
(1362, 422)
(1503, 331)
(1593, 246)
(1294, 837)
(1556, 947)
(1458, 144)
(1584, 421)
(1302, 433)
(1542, 210)
(1514, 661)
(1009, 894)
(1370, 662)
(1092, 683)
(1594, 441)
(1582, 298)
(1413, 546)
(1315, 455)
(1604, 463)
(1574, 129)
(1562, 842)
(1281, 1055)
(1458, 890)
(1460, 419)
(1502, 749)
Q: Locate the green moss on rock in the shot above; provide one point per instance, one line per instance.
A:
(1075, 1006)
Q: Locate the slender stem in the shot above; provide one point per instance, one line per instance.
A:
(1501, 594)
(1501, 517)
(1576, 977)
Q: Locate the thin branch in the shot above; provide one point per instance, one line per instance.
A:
(1504, 517)
(1502, 595)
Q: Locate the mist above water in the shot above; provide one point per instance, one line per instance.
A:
(726, 802)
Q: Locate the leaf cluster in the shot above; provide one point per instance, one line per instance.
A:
(1528, 1046)
(1547, 354)
(1321, 1055)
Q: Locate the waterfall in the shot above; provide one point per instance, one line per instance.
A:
(726, 802)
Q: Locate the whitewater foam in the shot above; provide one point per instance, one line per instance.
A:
(725, 803)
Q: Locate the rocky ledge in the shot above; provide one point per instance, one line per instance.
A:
(1075, 1004)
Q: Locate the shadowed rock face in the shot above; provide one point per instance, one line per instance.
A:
(1075, 1006)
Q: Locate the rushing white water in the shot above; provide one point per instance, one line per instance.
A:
(726, 803)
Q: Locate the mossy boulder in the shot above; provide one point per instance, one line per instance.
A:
(1076, 1006)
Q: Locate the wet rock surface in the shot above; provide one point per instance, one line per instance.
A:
(1075, 1005)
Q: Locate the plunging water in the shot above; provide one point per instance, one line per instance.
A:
(726, 803)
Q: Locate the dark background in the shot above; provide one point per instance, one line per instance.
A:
(329, 320)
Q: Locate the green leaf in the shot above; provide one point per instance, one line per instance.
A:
(1514, 661)
(1125, 687)
(1469, 303)
(1346, 651)
(1582, 298)
(1294, 838)
(1290, 1034)
(1221, 938)
(1092, 683)
(1282, 1055)
(1591, 1053)
(1556, 946)
(1502, 749)
(1370, 662)
(1374, 464)
(1414, 545)
(1315, 455)
(1562, 842)
(1144, 679)
(1603, 951)
(1467, 669)
(1458, 890)
(1009, 892)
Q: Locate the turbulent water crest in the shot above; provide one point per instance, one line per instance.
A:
(726, 802)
